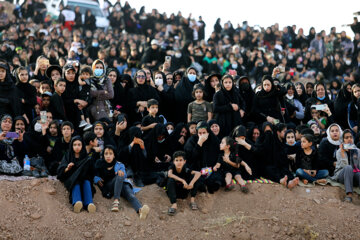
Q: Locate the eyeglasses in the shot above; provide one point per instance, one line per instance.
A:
(140, 76)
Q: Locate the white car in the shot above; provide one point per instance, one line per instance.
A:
(101, 21)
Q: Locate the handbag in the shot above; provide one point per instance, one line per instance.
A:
(10, 167)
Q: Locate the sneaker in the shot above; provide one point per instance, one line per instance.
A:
(43, 174)
(88, 126)
(78, 206)
(115, 206)
(144, 211)
(36, 173)
(83, 123)
(27, 173)
(91, 208)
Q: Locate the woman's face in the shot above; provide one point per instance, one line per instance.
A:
(109, 155)
(356, 92)
(348, 138)
(192, 71)
(112, 76)
(99, 131)
(290, 91)
(23, 76)
(335, 133)
(6, 125)
(169, 80)
(215, 129)
(320, 91)
(214, 81)
(2, 74)
(227, 82)
(299, 90)
(290, 139)
(183, 132)
(256, 134)
(20, 125)
(267, 86)
(77, 145)
(140, 78)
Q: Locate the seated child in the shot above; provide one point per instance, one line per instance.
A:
(230, 164)
(307, 163)
(84, 94)
(150, 121)
(192, 128)
(111, 178)
(181, 181)
(76, 172)
(91, 145)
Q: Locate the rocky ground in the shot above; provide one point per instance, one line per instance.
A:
(39, 209)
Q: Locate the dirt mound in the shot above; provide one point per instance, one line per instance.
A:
(39, 209)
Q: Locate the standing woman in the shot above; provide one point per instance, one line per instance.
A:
(119, 98)
(42, 63)
(341, 103)
(90, 21)
(183, 93)
(76, 172)
(26, 92)
(101, 91)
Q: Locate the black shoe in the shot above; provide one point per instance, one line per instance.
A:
(138, 182)
(27, 173)
(43, 174)
(36, 173)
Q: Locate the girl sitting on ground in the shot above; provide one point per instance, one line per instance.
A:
(111, 178)
(230, 164)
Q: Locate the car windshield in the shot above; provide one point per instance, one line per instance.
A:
(95, 10)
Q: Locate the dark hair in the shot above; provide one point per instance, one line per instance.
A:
(307, 131)
(152, 102)
(59, 81)
(108, 147)
(88, 137)
(288, 132)
(179, 154)
(229, 141)
(45, 82)
(67, 123)
(299, 128)
(197, 87)
(280, 126)
(86, 69)
(308, 138)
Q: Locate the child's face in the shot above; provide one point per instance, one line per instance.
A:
(170, 127)
(35, 84)
(94, 143)
(49, 117)
(179, 162)
(44, 88)
(20, 125)
(192, 129)
(60, 87)
(46, 101)
(315, 129)
(55, 75)
(315, 113)
(227, 82)
(99, 130)
(23, 76)
(53, 130)
(77, 145)
(70, 75)
(153, 109)
(109, 155)
(290, 139)
(223, 145)
(37, 109)
(2, 74)
(199, 94)
(305, 143)
(66, 131)
(85, 75)
(348, 138)
(356, 92)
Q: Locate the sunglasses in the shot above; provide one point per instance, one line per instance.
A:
(140, 76)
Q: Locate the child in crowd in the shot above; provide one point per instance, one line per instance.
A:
(150, 121)
(52, 135)
(45, 86)
(84, 94)
(192, 128)
(57, 107)
(316, 118)
(45, 101)
(230, 164)
(308, 167)
(181, 181)
(199, 110)
(91, 145)
(76, 172)
(111, 178)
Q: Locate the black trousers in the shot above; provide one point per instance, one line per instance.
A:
(175, 190)
(275, 173)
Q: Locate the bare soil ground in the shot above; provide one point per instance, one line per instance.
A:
(39, 209)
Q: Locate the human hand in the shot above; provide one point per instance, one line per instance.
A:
(190, 186)
(234, 106)
(242, 113)
(100, 183)
(203, 138)
(69, 166)
(120, 173)
(167, 158)
(248, 169)
(21, 136)
(157, 160)
(181, 140)
(2, 136)
(270, 119)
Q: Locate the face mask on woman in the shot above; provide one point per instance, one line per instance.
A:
(192, 77)
(159, 81)
(98, 72)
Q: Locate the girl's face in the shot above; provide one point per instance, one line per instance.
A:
(215, 129)
(335, 133)
(170, 127)
(23, 76)
(192, 129)
(183, 132)
(290, 139)
(227, 82)
(77, 146)
(223, 145)
(305, 144)
(53, 130)
(348, 138)
(2, 74)
(267, 86)
(109, 155)
(315, 113)
(320, 91)
(6, 125)
(356, 92)
(55, 75)
(70, 75)
(299, 90)
(256, 134)
(112, 76)
(199, 94)
(214, 81)
(20, 125)
(99, 130)
(290, 92)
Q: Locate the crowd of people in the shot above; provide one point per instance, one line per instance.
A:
(149, 100)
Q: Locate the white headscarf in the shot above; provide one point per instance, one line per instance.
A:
(337, 142)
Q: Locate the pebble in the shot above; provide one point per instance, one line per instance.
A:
(98, 236)
(127, 223)
(50, 190)
(35, 182)
(35, 216)
(88, 234)
(276, 229)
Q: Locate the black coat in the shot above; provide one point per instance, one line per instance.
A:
(27, 92)
(341, 103)
(9, 100)
(327, 155)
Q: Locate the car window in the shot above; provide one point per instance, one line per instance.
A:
(95, 10)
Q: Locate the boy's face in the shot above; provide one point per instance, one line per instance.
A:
(94, 143)
(315, 113)
(199, 94)
(85, 75)
(53, 130)
(179, 162)
(192, 129)
(153, 109)
(45, 101)
(66, 131)
(60, 87)
(44, 88)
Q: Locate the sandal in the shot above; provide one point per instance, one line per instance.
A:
(244, 189)
(172, 211)
(348, 199)
(193, 206)
(115, 206)
(229, 187)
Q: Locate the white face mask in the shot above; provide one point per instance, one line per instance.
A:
(170, 131)
(159, 81)
(178, 55)
(289, 97)
(37, 127)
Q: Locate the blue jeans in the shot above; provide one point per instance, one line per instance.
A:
(82, 193)
(320, 174)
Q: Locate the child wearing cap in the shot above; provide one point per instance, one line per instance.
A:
(199, 110)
